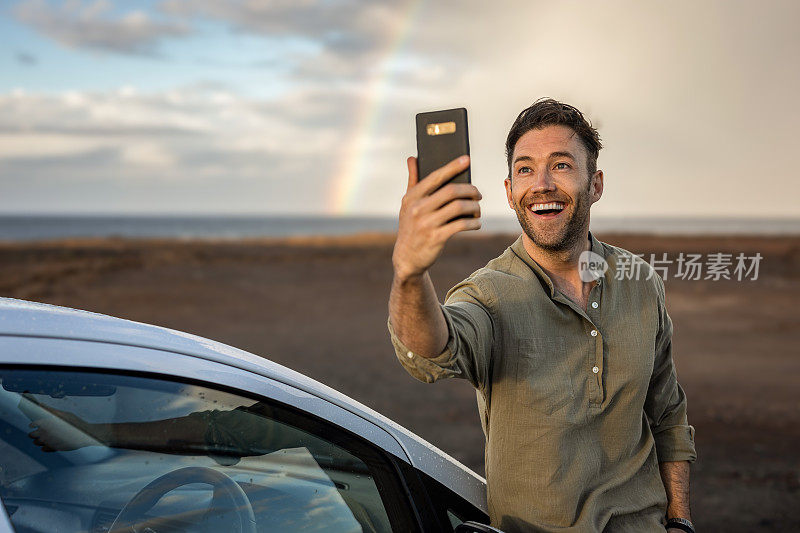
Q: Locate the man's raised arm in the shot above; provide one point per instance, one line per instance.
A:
(426, 223)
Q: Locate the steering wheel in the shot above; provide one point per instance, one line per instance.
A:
(229, 498)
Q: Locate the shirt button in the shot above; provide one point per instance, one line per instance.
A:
(595, 369)
(593, 333)
(594, 305)
(410, 353)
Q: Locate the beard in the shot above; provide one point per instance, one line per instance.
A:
(563, 237)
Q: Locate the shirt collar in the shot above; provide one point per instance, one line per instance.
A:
(519, 250)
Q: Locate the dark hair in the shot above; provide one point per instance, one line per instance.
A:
(548, 112)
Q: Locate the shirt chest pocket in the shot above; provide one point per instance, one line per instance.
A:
(543, 374)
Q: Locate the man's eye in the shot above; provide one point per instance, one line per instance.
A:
(523, 170)
(562, 166)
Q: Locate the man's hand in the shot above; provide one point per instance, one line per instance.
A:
(53, 429)
(427, 213)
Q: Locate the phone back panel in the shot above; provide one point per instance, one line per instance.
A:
(441, 137)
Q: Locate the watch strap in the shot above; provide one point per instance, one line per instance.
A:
(680, 523)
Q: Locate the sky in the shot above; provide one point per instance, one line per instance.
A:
(307, 106)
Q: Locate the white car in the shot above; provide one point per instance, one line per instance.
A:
(113, 425)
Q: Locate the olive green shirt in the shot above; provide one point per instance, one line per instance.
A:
(578, 406)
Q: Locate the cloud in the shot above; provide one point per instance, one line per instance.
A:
(92, 25)
(342, 45)
(24, 58)
(346, 26)
(352, 29)
(199, 142)
(345, 39)
(198, 114)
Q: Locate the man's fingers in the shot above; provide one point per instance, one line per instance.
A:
(462, 224)
(438, 177)
(450, 192)
(413, 177)
(443, 205)
(455, 209)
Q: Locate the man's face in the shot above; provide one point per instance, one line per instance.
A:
(550, 188)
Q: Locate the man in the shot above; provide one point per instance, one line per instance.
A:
(585, 423)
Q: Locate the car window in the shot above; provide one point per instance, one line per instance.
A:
(452, 508)
(79, 450)
(443, 506)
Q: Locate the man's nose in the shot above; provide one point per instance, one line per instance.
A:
(542, 182)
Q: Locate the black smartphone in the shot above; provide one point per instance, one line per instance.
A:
(441, 137)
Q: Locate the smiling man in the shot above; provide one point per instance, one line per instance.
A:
(585, 422)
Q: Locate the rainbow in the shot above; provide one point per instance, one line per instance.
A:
(347, 182)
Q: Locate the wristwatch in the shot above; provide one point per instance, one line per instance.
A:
(680, 523)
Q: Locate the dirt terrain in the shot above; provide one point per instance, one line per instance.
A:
(320, 306)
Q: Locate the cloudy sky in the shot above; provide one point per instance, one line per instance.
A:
(307, 106)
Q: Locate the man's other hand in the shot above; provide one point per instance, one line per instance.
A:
(427, 216)
(53, 429)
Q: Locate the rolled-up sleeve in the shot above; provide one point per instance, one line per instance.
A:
(665, 405)
(467, 311)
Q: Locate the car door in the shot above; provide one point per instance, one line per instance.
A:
(87, 427)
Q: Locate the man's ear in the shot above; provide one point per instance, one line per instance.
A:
(596, 187)
(507, 183)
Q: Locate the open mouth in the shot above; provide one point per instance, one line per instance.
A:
(547, 210)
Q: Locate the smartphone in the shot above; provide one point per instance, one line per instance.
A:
(441, 137)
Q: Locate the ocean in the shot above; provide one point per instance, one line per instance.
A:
(38, 228)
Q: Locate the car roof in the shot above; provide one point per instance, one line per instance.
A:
(32, 319)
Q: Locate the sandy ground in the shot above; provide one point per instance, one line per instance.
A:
(320, 305)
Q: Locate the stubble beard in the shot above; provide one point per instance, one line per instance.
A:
(561, 239)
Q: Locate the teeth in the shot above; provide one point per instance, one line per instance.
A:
(552, 205)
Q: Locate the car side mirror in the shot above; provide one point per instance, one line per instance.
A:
(475, 527)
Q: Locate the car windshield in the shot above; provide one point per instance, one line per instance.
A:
(79, 450)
